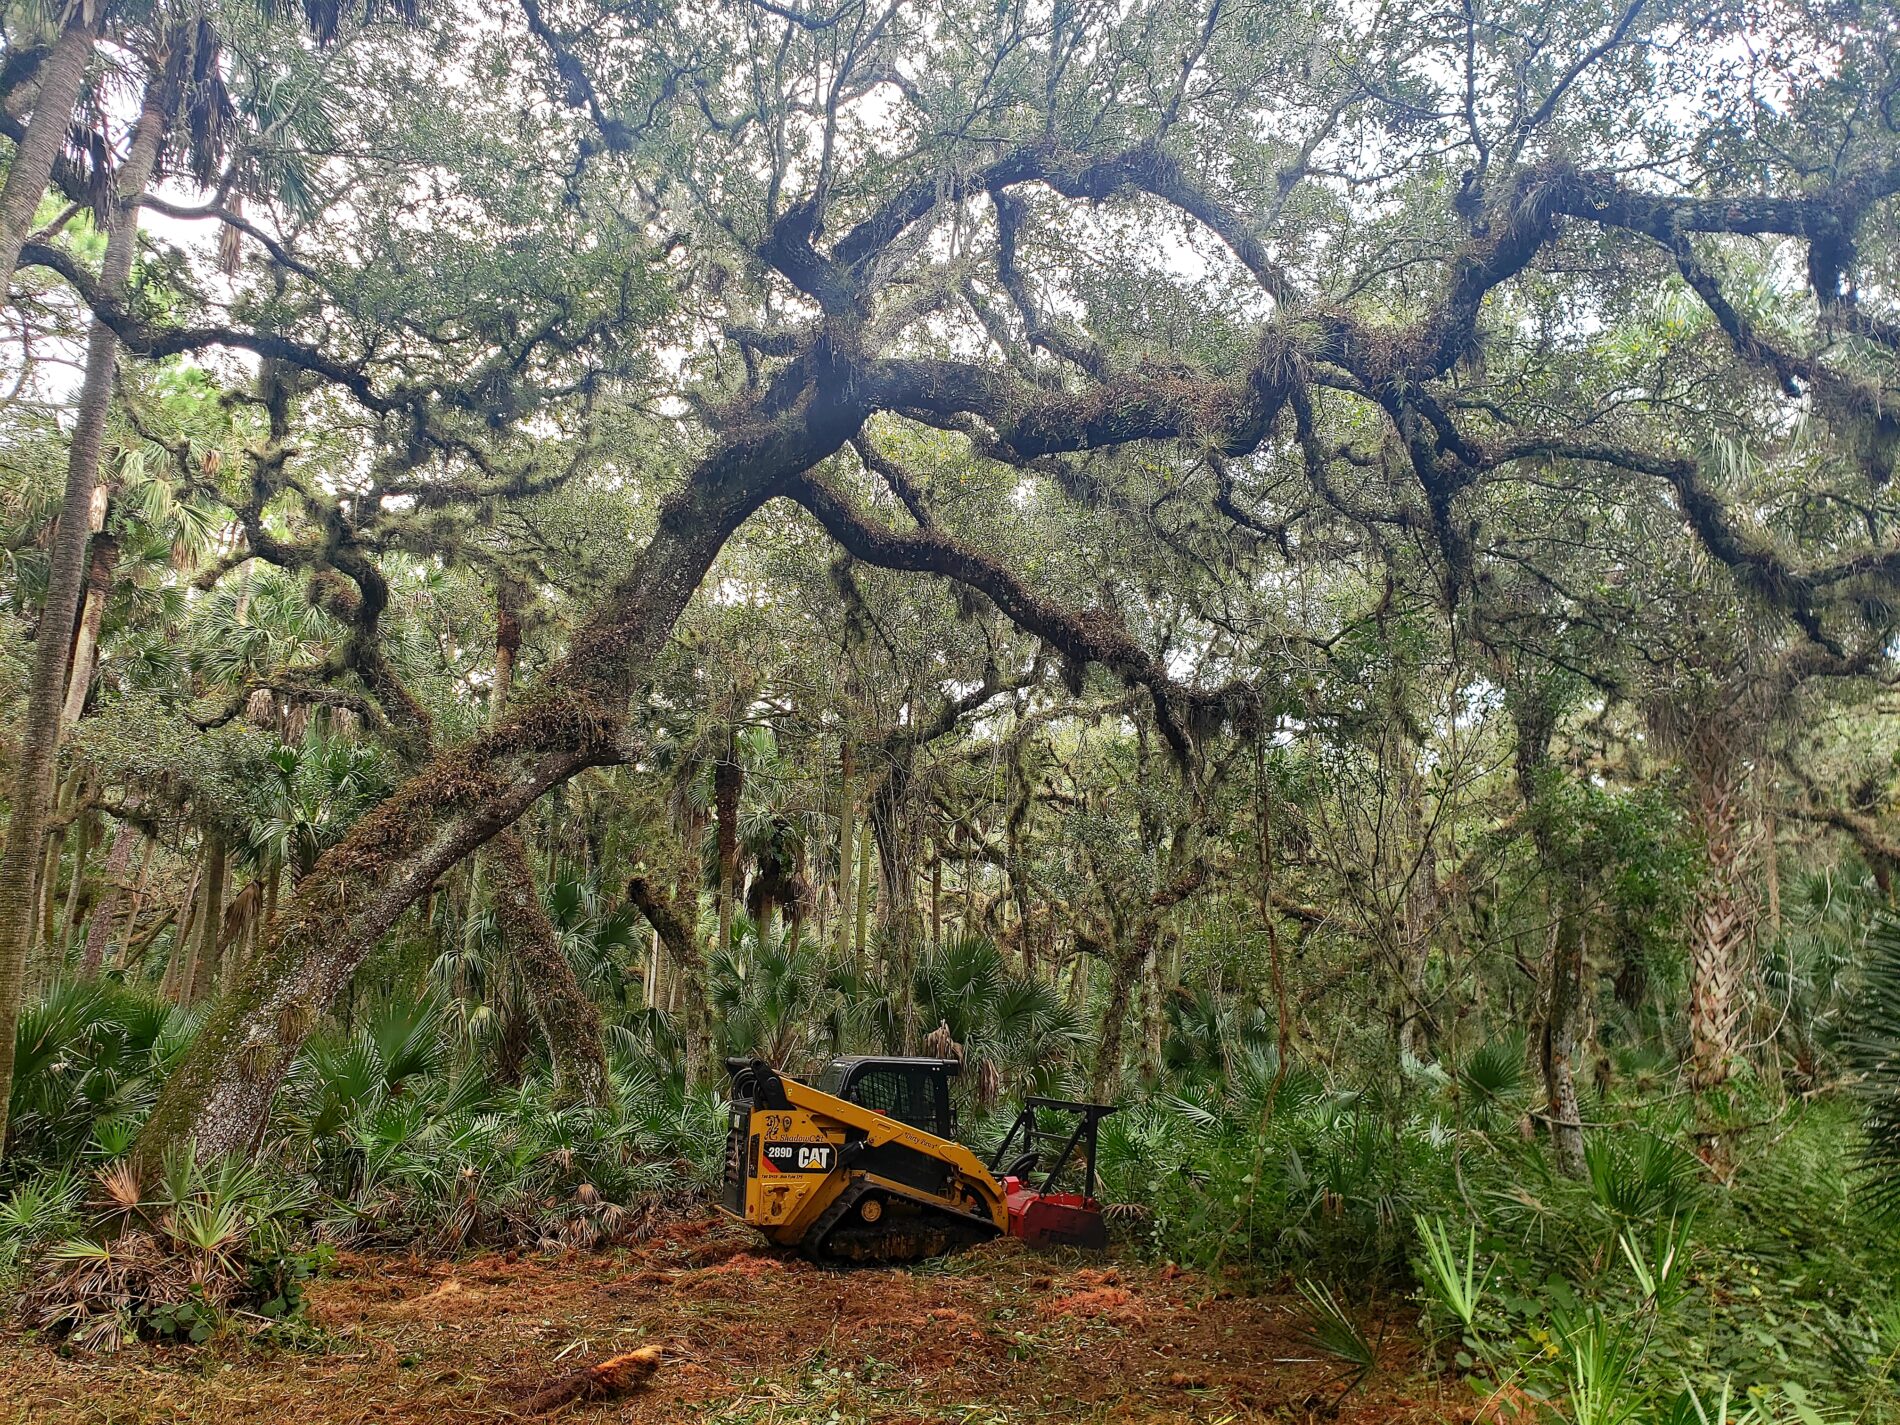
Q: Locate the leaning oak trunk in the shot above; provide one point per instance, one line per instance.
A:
(39, 739)
(219, 1096)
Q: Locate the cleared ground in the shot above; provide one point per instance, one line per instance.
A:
(999, 1334)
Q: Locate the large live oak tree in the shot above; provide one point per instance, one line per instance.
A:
(1240, 241)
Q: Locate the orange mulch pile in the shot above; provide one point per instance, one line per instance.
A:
(744, 1335)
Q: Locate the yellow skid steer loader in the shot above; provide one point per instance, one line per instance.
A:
(865, 1167)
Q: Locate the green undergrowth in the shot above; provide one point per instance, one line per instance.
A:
(384, 1137)
(1644, 1290)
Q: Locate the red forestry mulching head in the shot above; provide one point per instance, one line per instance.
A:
(1040, 1213)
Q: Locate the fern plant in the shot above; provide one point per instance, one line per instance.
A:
(1872, 1050)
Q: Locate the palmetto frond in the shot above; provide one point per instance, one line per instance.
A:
(1872, 1049)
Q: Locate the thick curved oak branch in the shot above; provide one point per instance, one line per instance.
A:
(145, 339)
(1082, 636)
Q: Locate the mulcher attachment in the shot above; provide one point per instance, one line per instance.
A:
(1045, 1215)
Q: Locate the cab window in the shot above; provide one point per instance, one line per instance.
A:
(892, 1092)
(831, 1081)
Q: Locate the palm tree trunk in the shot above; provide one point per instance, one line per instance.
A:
(274, 883)
(1771, 874)
(39, 739)
(99, 923)
(61, 78)
(866, 858)
(99, 569)
(46, 879)
(728, 783)
(795, 912)
(652, 995)
(847, 845)
(203, 982)
(1721, 930)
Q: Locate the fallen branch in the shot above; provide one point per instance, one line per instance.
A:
(614, 1376)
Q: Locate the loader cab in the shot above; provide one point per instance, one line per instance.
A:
(913, 1091)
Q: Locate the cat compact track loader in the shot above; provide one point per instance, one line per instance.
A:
(865, 1166)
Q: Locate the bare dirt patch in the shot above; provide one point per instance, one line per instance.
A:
(998, 1334)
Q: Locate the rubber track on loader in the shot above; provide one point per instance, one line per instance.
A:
(909, 1230)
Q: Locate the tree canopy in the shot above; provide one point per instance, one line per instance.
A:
(1123, 529)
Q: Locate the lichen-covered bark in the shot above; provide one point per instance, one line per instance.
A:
(1130, 957)
(99, 924)
(1534, 714)
(560, 1005)
(1133, 947)
(219, 1097)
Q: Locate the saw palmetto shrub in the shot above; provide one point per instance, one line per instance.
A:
(175, 1257)
(1872, 1050)
(1268, 1173)
(88, 1062)
(393, 1135)
(443, 1160)
(1646, 1289)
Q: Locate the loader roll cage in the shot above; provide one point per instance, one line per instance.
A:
(1033, 1139)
